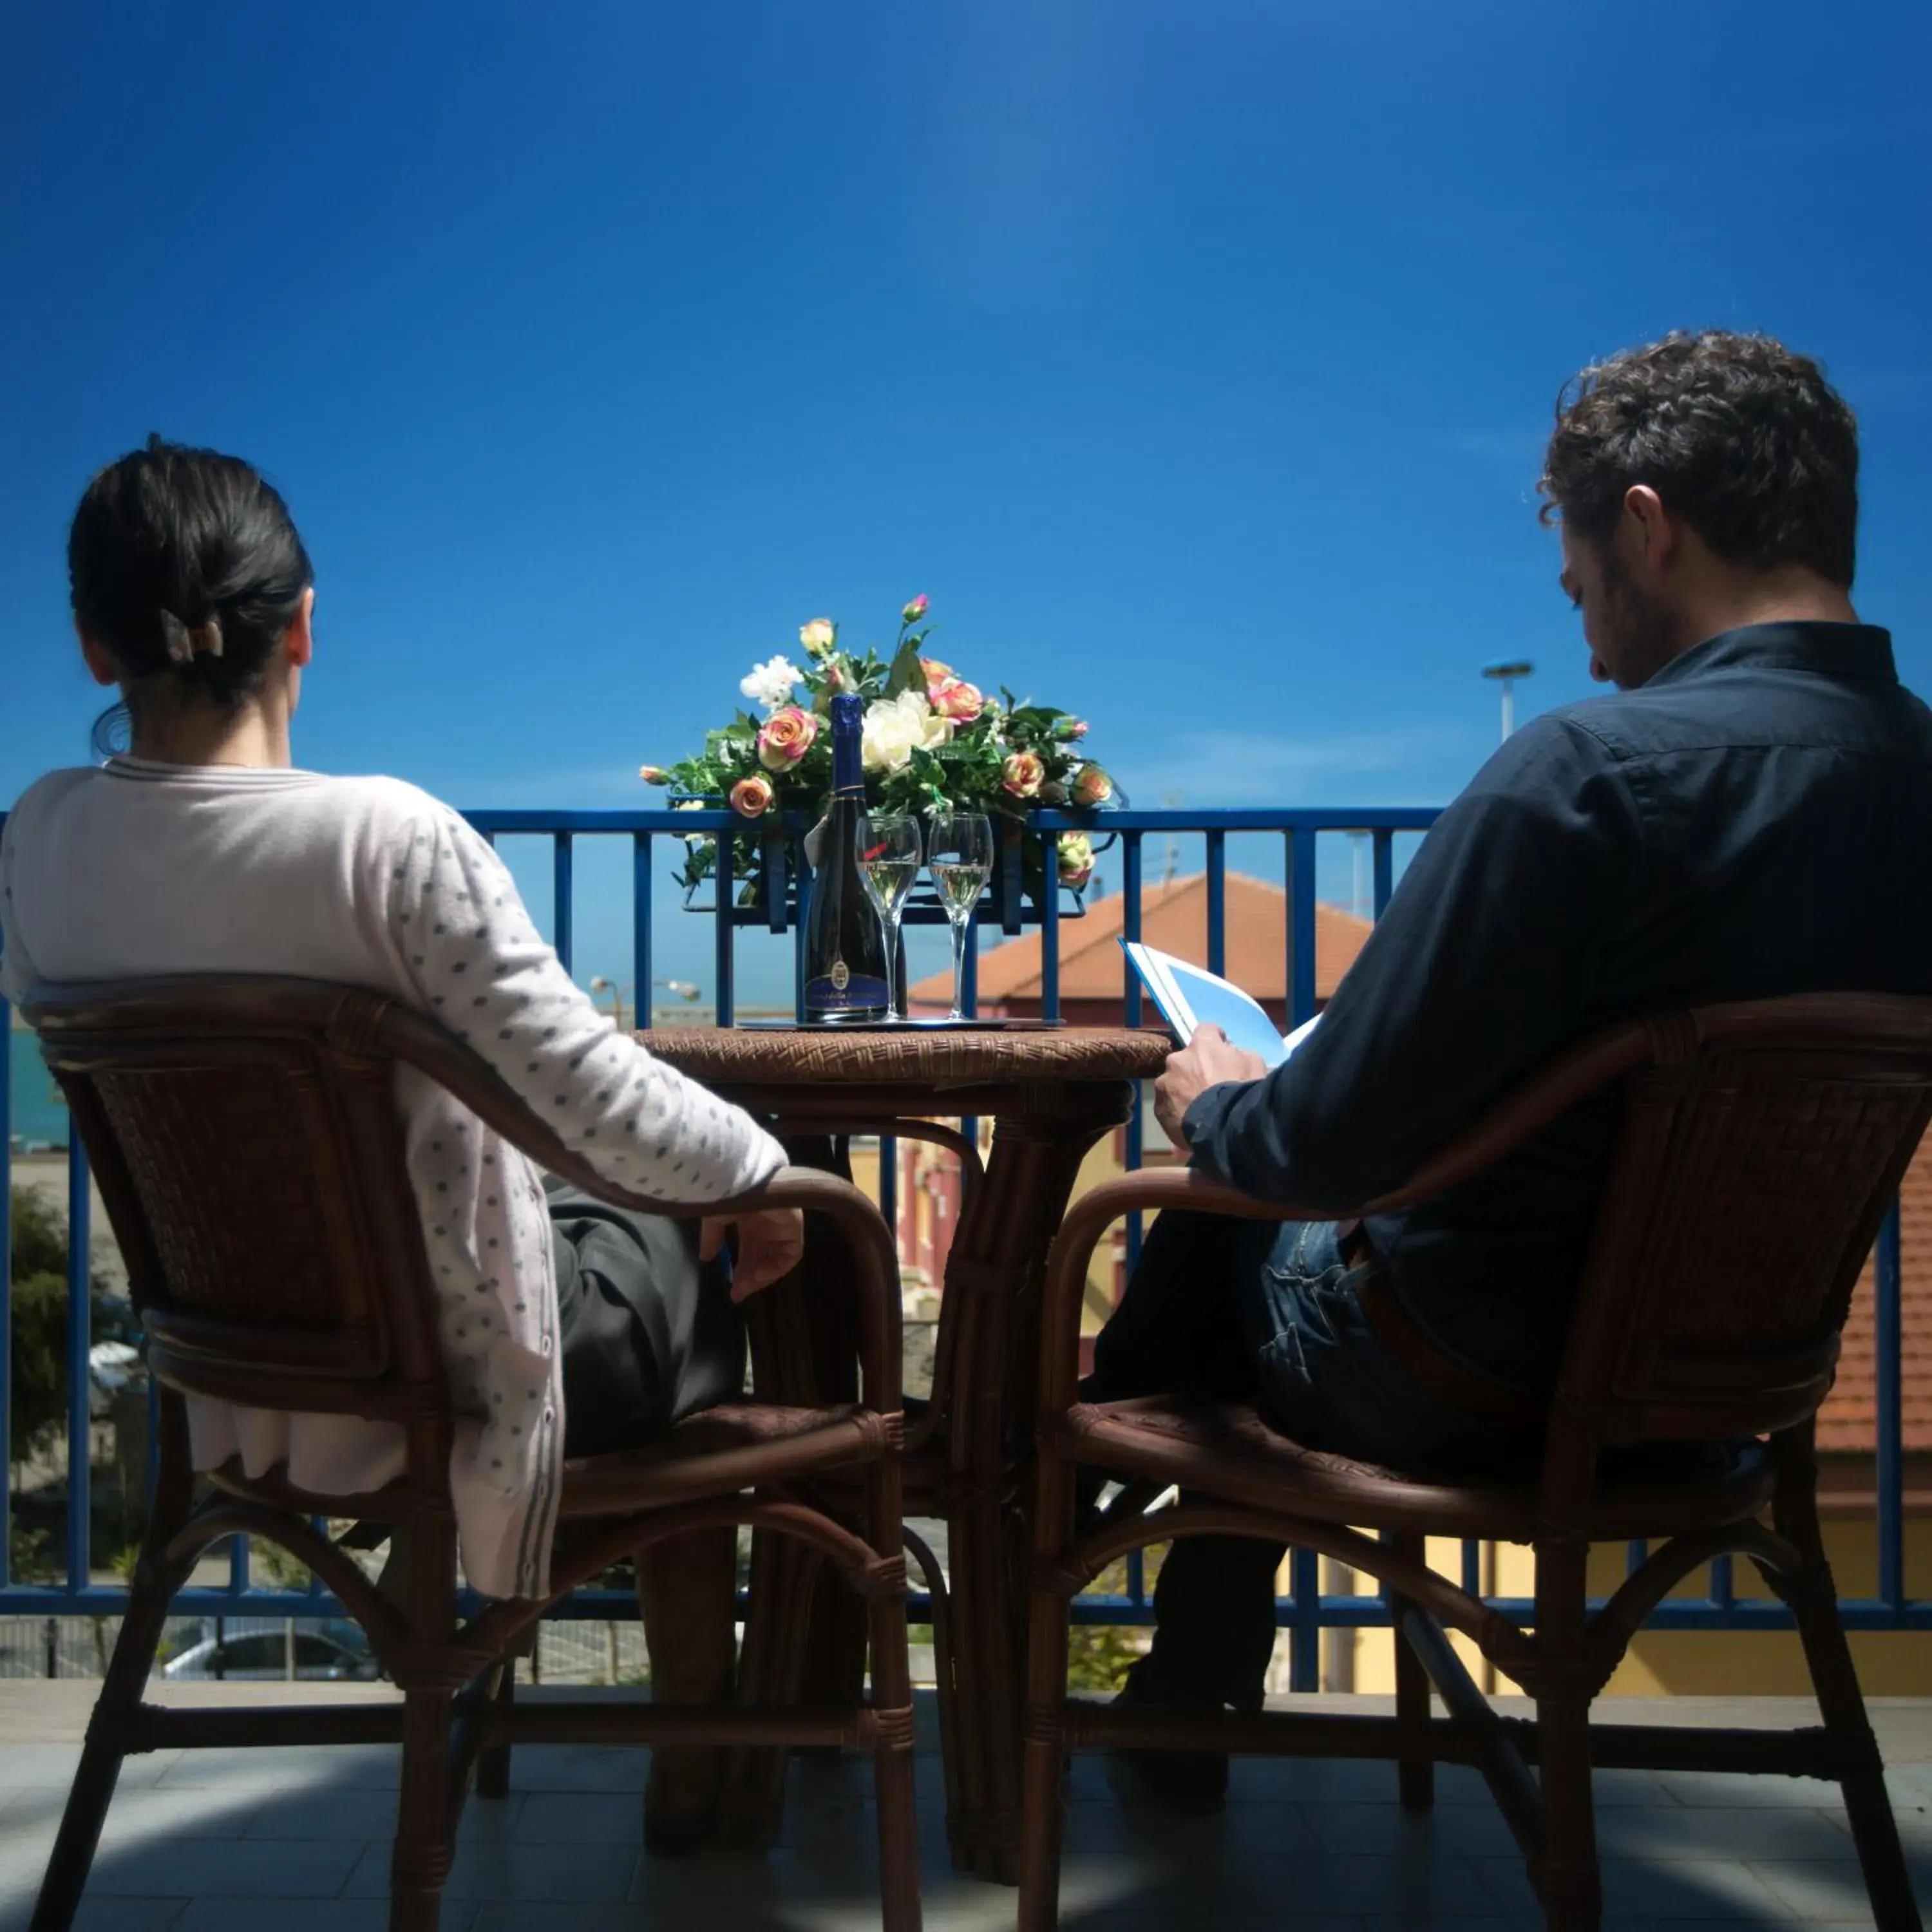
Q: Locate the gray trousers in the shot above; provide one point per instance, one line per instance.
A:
(650, 1334)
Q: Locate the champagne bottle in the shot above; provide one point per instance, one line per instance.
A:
(844, 943)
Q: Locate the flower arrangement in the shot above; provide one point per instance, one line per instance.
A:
(932, 742)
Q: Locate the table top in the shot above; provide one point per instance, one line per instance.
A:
(725, 1056)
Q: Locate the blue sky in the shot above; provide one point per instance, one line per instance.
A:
(1195, 359)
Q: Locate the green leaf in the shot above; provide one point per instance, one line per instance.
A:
(906, 674)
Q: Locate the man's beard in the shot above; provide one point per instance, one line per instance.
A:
(1641, 629)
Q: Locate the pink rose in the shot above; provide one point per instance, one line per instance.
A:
(1073, 728)
(1092, 786)
(785, 738)
(751, 797)
(654, 774)
(913, 611)
(938, 675)
(1021, 774)
(957, 699)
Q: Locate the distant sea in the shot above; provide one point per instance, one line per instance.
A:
(39, 1114)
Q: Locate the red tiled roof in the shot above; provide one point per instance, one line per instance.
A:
(1174, 917)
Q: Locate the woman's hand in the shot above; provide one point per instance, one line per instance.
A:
(770, 1245)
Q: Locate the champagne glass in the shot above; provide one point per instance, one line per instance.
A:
(960, 854)
(886, 845)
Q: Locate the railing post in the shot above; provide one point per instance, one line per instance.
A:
(80, 1382)
(1888, 1414)
(560, 874)
(1130, 925)
(641, 924)
(726, 926)
(1049, 931)
(6, 1285)
(1305, 1569)
(1217, 902)
(1301, 925)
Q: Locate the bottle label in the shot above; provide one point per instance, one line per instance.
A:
(839, 991)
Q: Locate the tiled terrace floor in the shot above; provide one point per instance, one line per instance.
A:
(296, 1841)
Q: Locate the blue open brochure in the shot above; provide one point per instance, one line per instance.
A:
(1188, 997)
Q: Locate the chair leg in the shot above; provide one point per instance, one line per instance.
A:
(492, 1764)
(419, 1863)
(1043, 1757)
(94, 1780)
(1567, 1875)
(1415, 1766)
(1813, 1598)
(892, 1768)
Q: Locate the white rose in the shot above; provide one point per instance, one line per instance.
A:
(770, 683)
(895, 727)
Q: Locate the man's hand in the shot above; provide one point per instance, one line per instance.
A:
(1206, 1060)
(770, 1245)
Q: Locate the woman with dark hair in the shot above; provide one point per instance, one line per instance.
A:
(569, 1327)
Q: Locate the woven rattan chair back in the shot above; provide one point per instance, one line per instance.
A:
(245, 1138)
(1761, 1145)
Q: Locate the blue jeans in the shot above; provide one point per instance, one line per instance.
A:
(1264, 1313)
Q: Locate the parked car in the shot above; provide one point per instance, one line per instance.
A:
(256, 1648)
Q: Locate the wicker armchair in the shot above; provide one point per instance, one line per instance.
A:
(245, 1135)
(1759, 1147)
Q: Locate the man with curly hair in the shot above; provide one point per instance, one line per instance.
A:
(1749, 814)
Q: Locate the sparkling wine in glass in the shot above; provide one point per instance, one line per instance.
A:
(887, 846)
(959, 854)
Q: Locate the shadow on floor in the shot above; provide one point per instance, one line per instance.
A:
(283, 1840)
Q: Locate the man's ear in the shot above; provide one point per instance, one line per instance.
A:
(1653, 530)
(100, 665)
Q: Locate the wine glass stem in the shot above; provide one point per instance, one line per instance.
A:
(891, 925)
(960, 928)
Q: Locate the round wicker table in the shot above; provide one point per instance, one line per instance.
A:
(1050, 1094)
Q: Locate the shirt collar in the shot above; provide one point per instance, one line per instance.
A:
(1830, 650)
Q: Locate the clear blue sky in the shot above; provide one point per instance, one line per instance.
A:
(1195, 359)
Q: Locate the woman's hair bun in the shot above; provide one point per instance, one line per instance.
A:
(185, 564)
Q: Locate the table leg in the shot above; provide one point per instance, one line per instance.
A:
(995, 1270)
(804, 1630)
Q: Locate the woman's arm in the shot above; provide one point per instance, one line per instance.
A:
(469, 946)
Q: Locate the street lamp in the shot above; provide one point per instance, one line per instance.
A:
(1506, 671)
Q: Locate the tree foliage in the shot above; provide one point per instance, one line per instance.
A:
(37, 1268)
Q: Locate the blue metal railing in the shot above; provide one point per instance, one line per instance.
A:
(1306, 1611)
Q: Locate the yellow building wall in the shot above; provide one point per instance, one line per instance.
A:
(1890, 1663)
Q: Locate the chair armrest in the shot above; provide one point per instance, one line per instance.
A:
(868, 1241)
(1080, 1232)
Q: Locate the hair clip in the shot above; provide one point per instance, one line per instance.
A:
(184, 644)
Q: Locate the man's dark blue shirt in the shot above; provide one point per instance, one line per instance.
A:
(1755, 819)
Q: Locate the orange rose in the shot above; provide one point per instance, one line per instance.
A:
(654, 774)
(751, 797)
(957, 699)
(1022, 773)
(1092, 786)
(785, 738)
(938, 675)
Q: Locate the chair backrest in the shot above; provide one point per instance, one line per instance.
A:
(244, 1135)
(1762, 1144)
